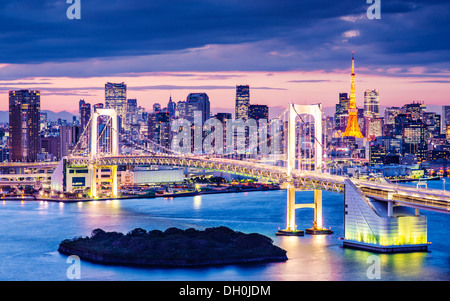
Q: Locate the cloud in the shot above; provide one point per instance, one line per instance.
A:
(134, 37)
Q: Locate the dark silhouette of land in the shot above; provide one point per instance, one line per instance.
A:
(174, 247)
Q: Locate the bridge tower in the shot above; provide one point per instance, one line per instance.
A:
(297, 111)
(112, 150)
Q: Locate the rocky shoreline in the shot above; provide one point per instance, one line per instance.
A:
(174, 248)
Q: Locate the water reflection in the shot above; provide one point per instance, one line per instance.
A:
(32, 230)
(197, 202)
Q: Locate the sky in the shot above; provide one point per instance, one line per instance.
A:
(286, 50)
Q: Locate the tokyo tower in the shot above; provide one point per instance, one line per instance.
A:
(352, 129)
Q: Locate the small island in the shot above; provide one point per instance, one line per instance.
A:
(174, 247)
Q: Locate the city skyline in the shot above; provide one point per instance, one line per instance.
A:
(286, 52)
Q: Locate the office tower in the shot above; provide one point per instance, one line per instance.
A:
(197, 102)
(415, 110)
(97, 106)
(131, 112)
(374, 128)
(156, 108)
(258, 112)
(43, 121)
(414, 140)
(159, 129)
(24, 124)
(390, 113)
(445, 119)
(51, 146)
(341, 113)
(371, 104)
(242, 101)
(352, 129)
(116, 98)
(181, 109)
(85, 115)
(69, 136)
(432, 122)
(171, 107)
(80, 104)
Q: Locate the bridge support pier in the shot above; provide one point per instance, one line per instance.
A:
(291, 227)
(93, 170)
(114, 181)
(317, 227)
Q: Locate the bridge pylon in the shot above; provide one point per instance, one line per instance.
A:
(295, 111)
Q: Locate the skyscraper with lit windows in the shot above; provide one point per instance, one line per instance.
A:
(24, 124)
(116, 98)
(242, 101)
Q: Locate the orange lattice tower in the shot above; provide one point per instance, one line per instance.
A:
(352, 129)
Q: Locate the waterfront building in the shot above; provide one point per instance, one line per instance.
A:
(24, 124)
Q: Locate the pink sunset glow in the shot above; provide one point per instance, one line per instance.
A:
(275, 89)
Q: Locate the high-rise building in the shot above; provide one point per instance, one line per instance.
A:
(390, 113)
(197, 102)
(432, 122)
(414, 140)
(85, 115)
(116, 98)
(131, 111)
(43, 121)
(156, 108)
(97, 106)
(69, 136)
(24, 124)
(415, 110)
(371, 104)
(258, 112)
(181, 109)
(374, 128)
(445, 120)
(341, 113)
(171, 107)
(352, 129)
(242, 101)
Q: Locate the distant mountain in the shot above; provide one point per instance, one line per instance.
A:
(51, 116)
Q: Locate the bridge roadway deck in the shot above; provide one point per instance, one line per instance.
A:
(428, 199)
